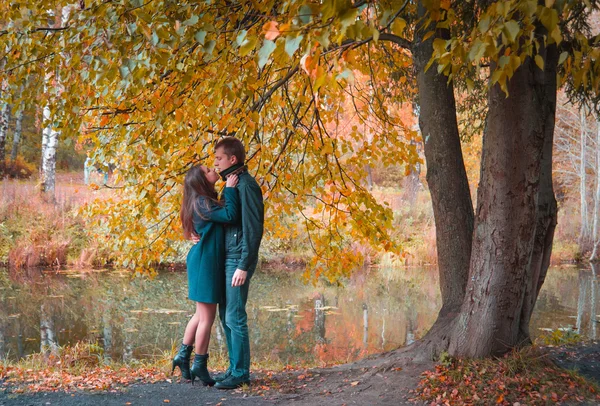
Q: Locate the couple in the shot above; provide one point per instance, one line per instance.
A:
(227, 235)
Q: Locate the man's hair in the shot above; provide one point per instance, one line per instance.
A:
(232, 146)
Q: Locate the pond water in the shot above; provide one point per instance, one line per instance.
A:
(290, 322)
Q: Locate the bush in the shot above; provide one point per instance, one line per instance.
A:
(19, 169)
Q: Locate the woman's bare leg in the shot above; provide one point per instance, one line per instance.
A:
(190, 330)
(205, 313)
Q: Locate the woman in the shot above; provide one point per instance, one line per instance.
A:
(202, 214)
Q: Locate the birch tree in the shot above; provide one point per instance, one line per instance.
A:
(53, 88)
(595, 257)
(17, 135)
(4, 117)
(583, 184)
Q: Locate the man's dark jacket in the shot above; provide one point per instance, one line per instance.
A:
(242, 240)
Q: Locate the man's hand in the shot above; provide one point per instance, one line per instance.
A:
(239, 277)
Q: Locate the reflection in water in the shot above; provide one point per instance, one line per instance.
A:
(365, 324)
(138, 318)
(107, 335)
(593, 313)
(567, 301)
(581, 302)
(48, 342)
(2, 339)
(320, 318)
(410, 334)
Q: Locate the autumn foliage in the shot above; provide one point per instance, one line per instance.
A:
(524, 377)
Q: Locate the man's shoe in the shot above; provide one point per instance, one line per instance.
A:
(223, 376)
(232, 382)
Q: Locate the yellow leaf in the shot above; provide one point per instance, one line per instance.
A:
(248, 46)
(398, 26)
(539, 61)
(563, 57)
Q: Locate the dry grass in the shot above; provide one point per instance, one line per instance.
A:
(35, 232)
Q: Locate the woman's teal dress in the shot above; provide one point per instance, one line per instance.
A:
(206, 259)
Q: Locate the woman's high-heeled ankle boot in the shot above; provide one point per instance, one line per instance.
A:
(200, 370)
(182, 360)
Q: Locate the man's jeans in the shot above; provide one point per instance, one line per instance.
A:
(235, 322)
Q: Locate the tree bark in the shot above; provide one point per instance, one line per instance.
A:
(595, 257)
(583, 233)
(3, 133)
(547, 208)
(492, 320)
(448, 185)
(49, 144)
(16, 136)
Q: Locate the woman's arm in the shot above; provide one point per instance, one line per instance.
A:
(228, 214)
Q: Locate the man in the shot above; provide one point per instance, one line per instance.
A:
(241, 257)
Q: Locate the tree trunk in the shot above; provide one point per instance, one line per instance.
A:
(448, 185)
(547, 208)
(50, 135)
(492, 316)
(369, 177)
(3, 133)
(16, 136)
(583, 233)
(49, 144)
(596, 225)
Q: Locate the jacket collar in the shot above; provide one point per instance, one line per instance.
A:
(233, 170)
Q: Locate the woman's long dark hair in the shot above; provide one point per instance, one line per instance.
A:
(195, 185)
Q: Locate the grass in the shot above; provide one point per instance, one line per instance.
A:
(563, 336)
(78, 367)
(84, 367)
(34, 232)
(37, 233)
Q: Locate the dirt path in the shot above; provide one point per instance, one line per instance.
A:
(383, 380)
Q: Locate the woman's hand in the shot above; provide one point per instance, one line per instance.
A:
(232, 181)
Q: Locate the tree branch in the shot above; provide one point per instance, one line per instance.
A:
(258, 105)
(404, 43)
